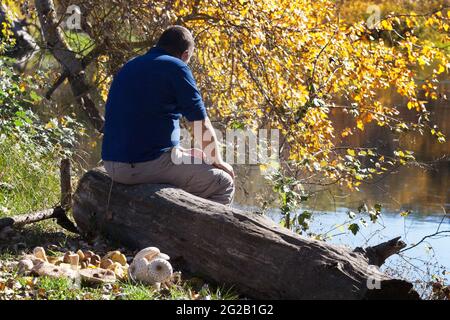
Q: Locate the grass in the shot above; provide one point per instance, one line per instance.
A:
(28, 180)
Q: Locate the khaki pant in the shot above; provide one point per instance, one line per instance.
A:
(202, 180)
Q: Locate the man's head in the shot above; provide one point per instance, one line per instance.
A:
(178, 42)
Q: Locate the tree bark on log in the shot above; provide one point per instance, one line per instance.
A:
(224, 245)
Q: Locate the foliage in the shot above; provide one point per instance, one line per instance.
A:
(290, 196)
(292, 65)
(17, 118)
(30, 146)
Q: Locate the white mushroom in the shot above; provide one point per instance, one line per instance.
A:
(147, 253)
(162, 256)
(150, 266)
(138, 270)
(159, 270)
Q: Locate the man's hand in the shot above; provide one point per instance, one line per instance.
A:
(212, 156)
(225, 167)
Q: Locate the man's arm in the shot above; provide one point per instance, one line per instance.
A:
(206, 138)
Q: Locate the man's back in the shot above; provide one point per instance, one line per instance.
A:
(146, 100)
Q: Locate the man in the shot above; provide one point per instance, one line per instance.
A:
(141, 139)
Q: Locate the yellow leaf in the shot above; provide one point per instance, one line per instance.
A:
(351, 152)
(360, 125)
(386, 25)
(399, 153)
(49, 125)
(346, 132)
(411, 105)
(423, 61)
(409, 23)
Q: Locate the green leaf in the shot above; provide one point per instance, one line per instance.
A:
(377, 207)
(354, 228)
(18, 123)
(35, 97)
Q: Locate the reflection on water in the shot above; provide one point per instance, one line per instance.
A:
(422, 191)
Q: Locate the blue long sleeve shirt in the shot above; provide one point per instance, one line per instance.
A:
(146, 100)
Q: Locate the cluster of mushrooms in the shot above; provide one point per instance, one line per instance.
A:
(149, 266)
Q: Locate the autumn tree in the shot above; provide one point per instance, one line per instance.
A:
(283, 64)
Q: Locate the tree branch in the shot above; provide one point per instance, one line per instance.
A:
(62, 53)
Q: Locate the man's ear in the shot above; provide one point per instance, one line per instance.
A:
(185, 56)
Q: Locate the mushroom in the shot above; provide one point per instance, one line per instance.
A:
(95, 260)
(159, 270)
(118, 270)
(89, 254)
(147, 253)
(117, 256)
(81, 255)
(150, 266)
(97, 276)
(66, 258)
(43, 268)
(55, 260)
(74, 259)
(138, 270)
(25, 265)
(162, 256)
(39, 253)
(105, 263)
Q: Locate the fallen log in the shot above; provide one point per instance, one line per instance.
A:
(224, 245)
(21, 220)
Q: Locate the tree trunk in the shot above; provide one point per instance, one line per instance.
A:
(223, 245)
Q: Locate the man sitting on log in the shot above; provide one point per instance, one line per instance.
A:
(141, 142)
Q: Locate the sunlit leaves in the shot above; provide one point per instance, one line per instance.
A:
(291, 64)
